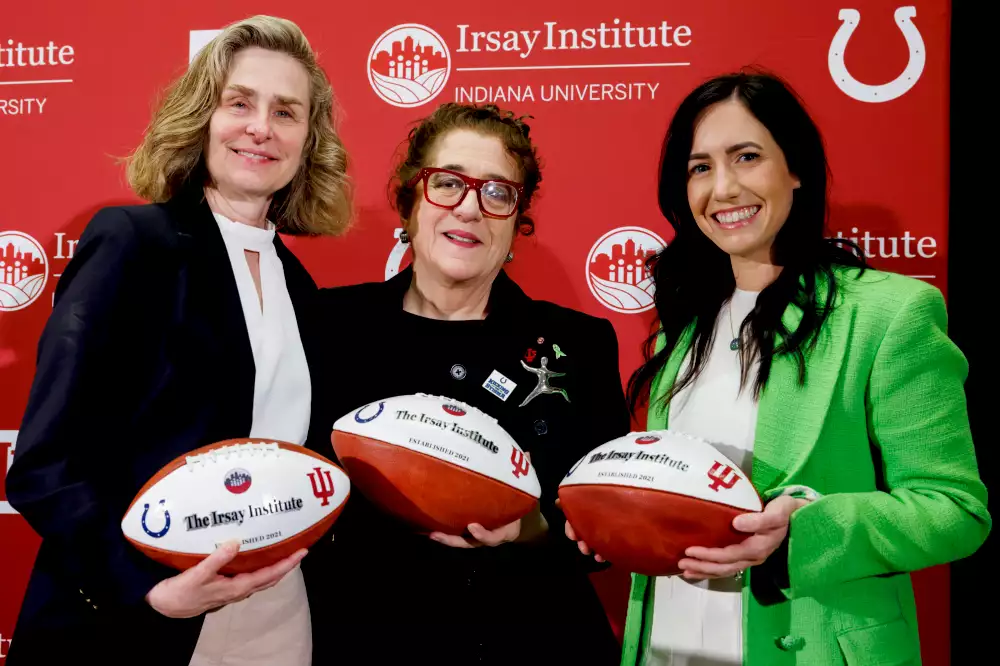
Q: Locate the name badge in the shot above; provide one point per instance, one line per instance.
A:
(499, 385)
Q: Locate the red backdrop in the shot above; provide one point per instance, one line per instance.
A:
(77, 85)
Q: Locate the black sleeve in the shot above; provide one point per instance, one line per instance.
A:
(69, 444)
(604, 416)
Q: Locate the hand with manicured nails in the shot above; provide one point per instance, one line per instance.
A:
(527, 528)
(202, 588)
(767, 528)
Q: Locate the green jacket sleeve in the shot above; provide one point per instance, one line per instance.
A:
(931, 508)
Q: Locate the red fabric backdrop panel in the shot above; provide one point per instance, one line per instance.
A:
(78, 82)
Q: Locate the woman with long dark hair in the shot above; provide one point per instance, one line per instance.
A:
(832, 385)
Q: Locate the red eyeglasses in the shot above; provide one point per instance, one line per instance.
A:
(447, 189)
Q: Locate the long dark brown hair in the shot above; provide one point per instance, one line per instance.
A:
(694, 278)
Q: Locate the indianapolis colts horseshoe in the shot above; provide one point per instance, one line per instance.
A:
(887, 91)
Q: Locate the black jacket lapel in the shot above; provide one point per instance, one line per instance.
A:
(215, 315)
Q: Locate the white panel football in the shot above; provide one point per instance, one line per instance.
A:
(260, 493)
(667, 461)
(448, 430)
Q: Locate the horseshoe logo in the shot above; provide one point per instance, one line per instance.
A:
(166, 527)
(395, 260)
(887, 91)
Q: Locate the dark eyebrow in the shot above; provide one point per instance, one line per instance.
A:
(459, 168)
(250, 92)
(735, 148)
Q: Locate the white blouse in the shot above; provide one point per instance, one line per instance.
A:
(272, 626)
(282, 389)
(701, 623)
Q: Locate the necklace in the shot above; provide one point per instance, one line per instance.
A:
(735, 343)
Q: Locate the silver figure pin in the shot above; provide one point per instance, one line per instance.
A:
(544, 375)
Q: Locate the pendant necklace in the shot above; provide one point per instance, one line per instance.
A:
(735, 344)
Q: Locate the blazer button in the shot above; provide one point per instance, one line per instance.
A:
(790, 643)
(541, 427)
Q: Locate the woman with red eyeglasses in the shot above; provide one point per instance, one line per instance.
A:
(380, 593)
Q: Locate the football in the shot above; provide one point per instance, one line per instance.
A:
(641, 500)
(436, 463)
(274, 497)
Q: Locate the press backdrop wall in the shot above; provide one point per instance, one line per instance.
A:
(78, 81)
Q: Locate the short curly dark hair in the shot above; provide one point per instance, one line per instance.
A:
(488, 119)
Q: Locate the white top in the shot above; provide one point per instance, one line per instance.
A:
(282, 389)
(701, 623)
(271, 626)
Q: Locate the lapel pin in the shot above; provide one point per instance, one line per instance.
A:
(559, 352)
(544, 375)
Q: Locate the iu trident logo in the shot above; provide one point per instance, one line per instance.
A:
(520, 462)
(722, 476)
(324, 490)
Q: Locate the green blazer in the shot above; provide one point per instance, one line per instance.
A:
(880, 430)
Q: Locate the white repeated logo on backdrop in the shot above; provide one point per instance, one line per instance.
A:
(24, 270)
(36, 67)
(408, 65)
(199, 39)
(8, 439)
(616, 269)
(395, 262)
(863, 92)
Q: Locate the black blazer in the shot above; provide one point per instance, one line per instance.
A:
(381, 594)
(145, 357)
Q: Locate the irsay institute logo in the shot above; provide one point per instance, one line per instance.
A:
(24, 270)
(616, 269)
(409, 65)
(238, 481)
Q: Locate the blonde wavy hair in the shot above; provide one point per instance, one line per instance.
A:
(171, 155)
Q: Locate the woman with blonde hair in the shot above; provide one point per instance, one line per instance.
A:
(177, 324)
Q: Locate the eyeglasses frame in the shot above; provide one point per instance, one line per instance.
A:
(470, 184)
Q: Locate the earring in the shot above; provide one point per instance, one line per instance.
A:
(510, 258)
(404, 237)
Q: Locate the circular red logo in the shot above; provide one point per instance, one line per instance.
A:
(454, 410)
(408, 65)
(647, 439)
(616, 269)
(24, 270)
(237, 481)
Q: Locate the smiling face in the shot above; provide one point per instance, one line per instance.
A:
(739, 187)
(461, 244)
(258, 132)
